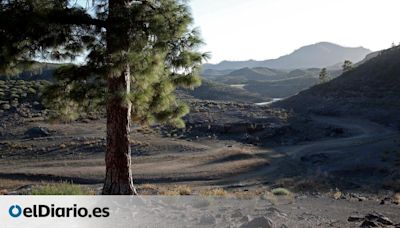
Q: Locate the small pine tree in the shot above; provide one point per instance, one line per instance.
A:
(347, 65)
(323, 75)
(138, 53)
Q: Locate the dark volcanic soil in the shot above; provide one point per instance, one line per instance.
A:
(334, 166)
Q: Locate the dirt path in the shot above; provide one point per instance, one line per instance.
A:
(361, 149)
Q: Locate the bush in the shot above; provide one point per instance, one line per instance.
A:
(14, 103)
(280, 192)
(31, 90)
(5, 107)
(60, 189)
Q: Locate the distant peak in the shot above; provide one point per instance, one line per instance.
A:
(315, 55)
(326, 43)
(330, 44)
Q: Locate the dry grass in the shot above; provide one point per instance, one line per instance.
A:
(396, 198)
(7, 184)
(337, 195)
(148, 186)
(219, 192)
(62, 146)
(177, 190)
(148, 189)
(60, 189)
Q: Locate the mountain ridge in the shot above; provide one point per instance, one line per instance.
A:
(308, 56)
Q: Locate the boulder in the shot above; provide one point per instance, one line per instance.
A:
(37, 132)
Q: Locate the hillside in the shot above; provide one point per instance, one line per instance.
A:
(242, 76)
(371, 90)
(281, 88)
(221, 92)
(317, 55)
(273, 83)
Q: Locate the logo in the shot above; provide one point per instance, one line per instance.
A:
(41, 211)
(15, 211)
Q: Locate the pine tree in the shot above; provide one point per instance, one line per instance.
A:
(347, 65)
(137, 54)
(323, 75)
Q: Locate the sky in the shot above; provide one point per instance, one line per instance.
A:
(265, 29)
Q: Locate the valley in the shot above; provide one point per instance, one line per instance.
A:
(249, 132)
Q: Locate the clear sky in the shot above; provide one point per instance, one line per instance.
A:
(264, 29)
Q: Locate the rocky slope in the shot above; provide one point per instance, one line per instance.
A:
(371, 91)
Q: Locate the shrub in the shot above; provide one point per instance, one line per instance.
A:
(280, 192)
(14, 103)
(396, 198)
(32, 91)
(60, 189)
(14, 96)
(5, 107)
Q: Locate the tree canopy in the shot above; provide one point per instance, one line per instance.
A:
(323, 75)
(160, 48)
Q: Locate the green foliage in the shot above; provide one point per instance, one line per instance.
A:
(153, 42)
(60, 189)
(19, 91)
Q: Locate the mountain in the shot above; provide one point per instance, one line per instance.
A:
(371, 90)
(317, 55)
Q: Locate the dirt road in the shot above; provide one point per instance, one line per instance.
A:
(350, 157)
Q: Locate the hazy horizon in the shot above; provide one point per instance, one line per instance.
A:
(267, 29)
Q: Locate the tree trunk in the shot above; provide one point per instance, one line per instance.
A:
(118, 180)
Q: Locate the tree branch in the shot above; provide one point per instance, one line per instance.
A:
(70, 17)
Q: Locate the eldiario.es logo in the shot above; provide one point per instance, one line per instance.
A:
(41, 211)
